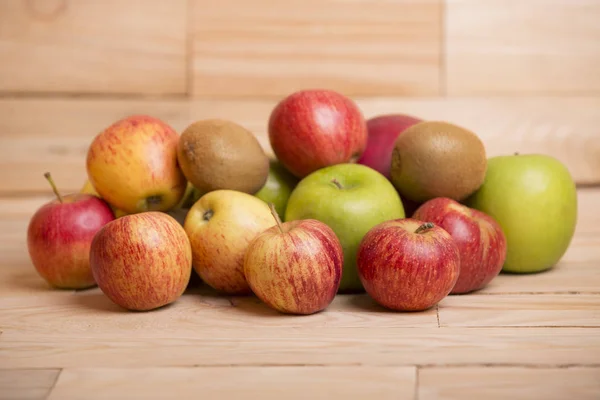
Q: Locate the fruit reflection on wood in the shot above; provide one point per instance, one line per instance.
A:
(404, 209)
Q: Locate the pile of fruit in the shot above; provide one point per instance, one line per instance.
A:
(404, 209)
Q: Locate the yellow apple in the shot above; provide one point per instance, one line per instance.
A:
(132, 165)
(220, 225)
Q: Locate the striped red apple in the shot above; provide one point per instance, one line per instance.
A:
(295, 267)
(142, 261)
(407, 264)
(313, 129)
(480, 239)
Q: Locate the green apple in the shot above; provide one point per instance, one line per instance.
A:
(533, 197)
(278, 188)
(351, 199)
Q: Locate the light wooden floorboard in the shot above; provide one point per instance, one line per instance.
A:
(116, 345)
(515, 383)
(26, 384)
(521, 310)
(565, 277)
(239, 382)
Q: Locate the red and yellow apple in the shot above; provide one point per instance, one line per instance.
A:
(296, 266)
(408, 264)
(142, 261)
(312, 129)
(221, 225)
(59, 237)
(480, 240)
(132, 164)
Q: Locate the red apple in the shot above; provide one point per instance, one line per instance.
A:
(142, 261)
(295, 267)
(407, 264)
(60, 234)
(480, 239)
(312, 129)
(383, 131)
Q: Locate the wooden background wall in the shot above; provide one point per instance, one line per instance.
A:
(522, 74)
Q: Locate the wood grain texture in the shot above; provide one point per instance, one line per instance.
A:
(522, 47)
(268, 383)
(116, 47)
(509, 383)
(270, 48)
(521, 310)
(58, 137)
(257, 346)
(564, 278)
(87, 313)
(26, 384)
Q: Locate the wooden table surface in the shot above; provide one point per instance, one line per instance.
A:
(523, 337)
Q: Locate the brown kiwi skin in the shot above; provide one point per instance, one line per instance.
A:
(220, 154)
(437, 159)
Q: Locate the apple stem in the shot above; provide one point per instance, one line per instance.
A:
(516, 153)
(337, 183)
(276, 216)
(54, 188)
(424, 227)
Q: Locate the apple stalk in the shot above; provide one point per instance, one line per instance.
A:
(276, 216)
(424, 227)
(53, 185)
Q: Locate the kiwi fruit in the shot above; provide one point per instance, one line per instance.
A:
(437, 159)
(219, 154)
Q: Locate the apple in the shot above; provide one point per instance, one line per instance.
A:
(350, 199)
(295, 267)
(220, 226)
(142, 261)
(316, 128)
(59, 236)
(133, 165)
(278, 188)
(89, 189)
(407, 264)
(382, 133)
(534, 199)
(480, 240)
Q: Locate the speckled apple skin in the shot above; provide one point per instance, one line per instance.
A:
(59, 237)
(133, 159)
(480, 240)
(297, 271)
(142, 261)
(220, 242)
(407, 271)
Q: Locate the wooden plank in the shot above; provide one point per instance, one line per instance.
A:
(26, 384)
(520, 310)
(269, 48)
(116, 47)
(239, 382)
(90, 313)
(565, 277)
(58, 137)
(522, 47)
(135, 346)
(515, 383)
